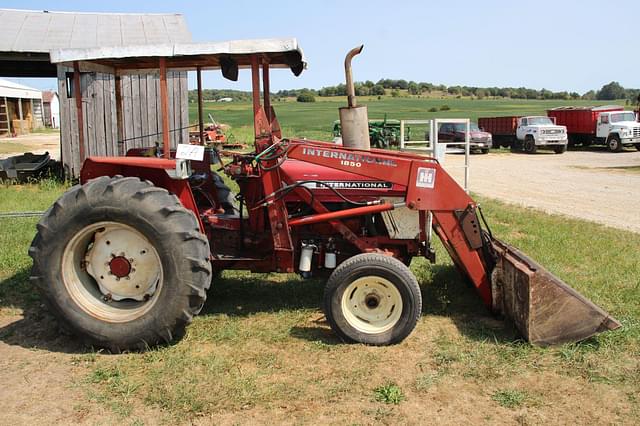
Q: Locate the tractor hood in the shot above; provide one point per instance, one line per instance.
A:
(349, 184)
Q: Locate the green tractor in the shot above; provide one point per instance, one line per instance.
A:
(382, 133)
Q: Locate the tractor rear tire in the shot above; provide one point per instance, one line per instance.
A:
(121, 263)
(372, 299)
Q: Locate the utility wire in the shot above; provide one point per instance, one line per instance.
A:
(20, 214)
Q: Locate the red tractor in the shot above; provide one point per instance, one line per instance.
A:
(125, 258)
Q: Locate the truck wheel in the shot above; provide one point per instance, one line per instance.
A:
(530, 145)
(638, 146)
(614, 144)
(560, 149)
(121, 263)
(484, 151)
(372, 299)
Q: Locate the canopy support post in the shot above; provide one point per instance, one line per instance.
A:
(255, 83)
(78, 95)
(265, 89)
(200, 119)
(122, 149)
(164, 98)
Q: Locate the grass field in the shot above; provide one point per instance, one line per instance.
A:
(7, 147)
(261, 351)
(315, 120)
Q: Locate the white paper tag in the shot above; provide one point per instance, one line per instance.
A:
(190, 152)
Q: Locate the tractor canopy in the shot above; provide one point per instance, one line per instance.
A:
(226, 55)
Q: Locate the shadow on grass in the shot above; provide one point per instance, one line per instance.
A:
(33, 327)
(239, 294)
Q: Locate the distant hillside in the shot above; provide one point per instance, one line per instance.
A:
(391, 87)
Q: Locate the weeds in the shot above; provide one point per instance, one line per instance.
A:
(389, 393)
(509, 398)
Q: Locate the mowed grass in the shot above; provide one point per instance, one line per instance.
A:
(261, 351)
(9, 147)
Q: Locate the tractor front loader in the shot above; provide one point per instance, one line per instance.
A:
(125, 258)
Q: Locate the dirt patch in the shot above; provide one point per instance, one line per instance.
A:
(38, 143)
(592, 185)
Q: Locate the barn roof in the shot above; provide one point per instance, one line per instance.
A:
(47, 96)
(27, 36)
(42, 31)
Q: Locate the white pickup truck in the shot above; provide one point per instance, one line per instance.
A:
(540, 132)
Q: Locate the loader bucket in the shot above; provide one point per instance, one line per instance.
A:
(544, 308)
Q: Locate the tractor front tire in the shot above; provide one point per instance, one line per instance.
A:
(372, 299)
(121, 263)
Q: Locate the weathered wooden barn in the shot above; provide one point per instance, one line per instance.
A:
(27, 37)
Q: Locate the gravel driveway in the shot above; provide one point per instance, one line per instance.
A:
(595, 185)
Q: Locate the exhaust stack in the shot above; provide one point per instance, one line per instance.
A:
(354, 119)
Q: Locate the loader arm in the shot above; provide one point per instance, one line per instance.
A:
(428, 188)
(543, 308)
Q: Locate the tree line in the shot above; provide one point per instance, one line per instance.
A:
(610, 91)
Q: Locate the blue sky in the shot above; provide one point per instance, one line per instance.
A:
(557, 45)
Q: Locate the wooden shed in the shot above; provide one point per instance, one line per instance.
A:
(27, 37)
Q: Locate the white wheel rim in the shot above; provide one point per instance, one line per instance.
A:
(112, 272)
(372, 304)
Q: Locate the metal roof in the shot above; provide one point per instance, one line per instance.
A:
(43, 31)
(10, 89)
(278, 52)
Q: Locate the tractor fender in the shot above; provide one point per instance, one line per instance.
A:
(161, 172)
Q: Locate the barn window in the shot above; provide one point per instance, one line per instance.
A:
(69, 80)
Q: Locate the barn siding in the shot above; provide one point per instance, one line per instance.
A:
(142, 118)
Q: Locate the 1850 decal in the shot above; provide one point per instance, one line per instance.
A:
(350, 159)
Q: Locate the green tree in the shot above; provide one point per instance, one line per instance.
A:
(377, 90)
(611, 91)
(306, 97)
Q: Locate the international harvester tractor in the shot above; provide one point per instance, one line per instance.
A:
(125, 258)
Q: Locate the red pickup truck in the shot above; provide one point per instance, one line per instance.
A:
(455, 132)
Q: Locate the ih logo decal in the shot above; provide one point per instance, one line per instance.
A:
(426, 177)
